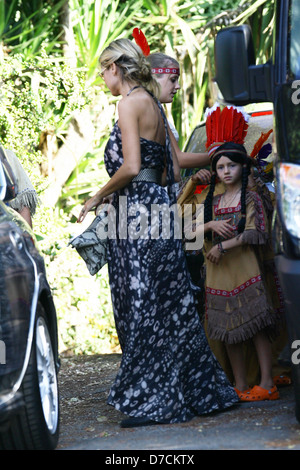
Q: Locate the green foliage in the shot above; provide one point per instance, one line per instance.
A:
(96, 23)
(37, 95)
(85, 321)
(28, 25)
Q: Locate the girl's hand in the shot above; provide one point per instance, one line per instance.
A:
(202, 176)
(91, 204)
(222, 227)
(214, 255)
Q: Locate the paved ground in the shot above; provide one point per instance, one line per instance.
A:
(87, 423)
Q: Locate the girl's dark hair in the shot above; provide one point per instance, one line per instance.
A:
(238, 154)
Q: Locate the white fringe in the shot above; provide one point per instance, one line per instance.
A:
(240, 109)
(25, 199)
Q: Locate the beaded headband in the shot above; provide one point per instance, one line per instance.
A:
(171, 70)
(221, 152)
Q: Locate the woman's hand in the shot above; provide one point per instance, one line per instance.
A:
(202, 176)
(90, 204)
(105, 204)
(221, 227)
(214, 255)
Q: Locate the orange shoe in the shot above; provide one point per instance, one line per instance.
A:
(258, 393)
(282, 380)
(240, 393)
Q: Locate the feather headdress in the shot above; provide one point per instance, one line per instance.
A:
(228, 125)
(141, 41)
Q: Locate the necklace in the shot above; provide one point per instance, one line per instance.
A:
(228, 203)
(134, 88)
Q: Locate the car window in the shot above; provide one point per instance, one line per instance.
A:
(197, 141)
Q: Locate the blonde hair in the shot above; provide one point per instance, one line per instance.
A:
(132, 63)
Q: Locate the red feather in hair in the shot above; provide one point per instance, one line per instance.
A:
(141, 40)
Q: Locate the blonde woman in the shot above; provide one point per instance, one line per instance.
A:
(167, 372)
(166, 71)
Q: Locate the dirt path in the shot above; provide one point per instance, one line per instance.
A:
(88, 423)
(84, 385)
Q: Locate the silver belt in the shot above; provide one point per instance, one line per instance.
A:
(149, 175)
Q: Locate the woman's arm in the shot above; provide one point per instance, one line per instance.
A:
(176, 166)
(188, 159)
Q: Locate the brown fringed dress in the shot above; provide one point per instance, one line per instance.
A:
(238, 305)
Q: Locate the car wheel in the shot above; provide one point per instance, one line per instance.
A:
(37, 426)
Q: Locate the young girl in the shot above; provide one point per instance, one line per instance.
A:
(237, 303)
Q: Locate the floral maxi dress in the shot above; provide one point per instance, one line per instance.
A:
(168, 372)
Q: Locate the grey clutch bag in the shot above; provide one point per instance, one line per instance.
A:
(91, 247)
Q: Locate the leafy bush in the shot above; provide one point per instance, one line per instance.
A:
(83, 302)
(37, 96)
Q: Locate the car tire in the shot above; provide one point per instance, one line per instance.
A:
(36, 427)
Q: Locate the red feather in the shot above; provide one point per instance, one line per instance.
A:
(216, 122)
(222, 126)
(236, 125)
(141, 40)
(228, 121)
(240, 130)
(208, 131)
(260, 143)
(228, 125)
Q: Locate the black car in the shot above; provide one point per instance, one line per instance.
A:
(29, 361)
